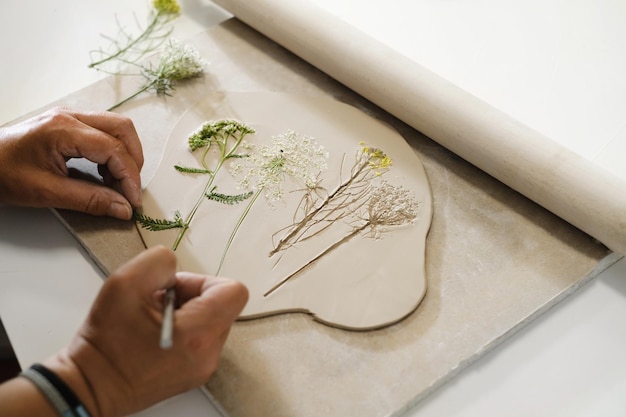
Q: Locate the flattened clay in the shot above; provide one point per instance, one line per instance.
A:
(363, 280)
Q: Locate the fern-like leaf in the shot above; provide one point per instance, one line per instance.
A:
(156, 225)
(189, 170)
(228, 199)
(239, 155)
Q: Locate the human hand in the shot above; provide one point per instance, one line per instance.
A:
(115, 364)
(33, 156)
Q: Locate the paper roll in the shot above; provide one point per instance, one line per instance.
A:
(570, 186)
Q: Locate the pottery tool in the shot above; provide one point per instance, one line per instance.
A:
(167, 328)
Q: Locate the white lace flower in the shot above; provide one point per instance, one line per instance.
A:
(289, 156)
(180, 62)
(177, 62)
(391, 205)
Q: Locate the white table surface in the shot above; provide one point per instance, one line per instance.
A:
(570, 362)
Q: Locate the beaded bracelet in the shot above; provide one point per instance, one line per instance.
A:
(60, 396)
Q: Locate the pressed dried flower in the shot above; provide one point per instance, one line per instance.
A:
(377, 159)
(387, 206)
(290, 155)
(318, 210)
(390, 205)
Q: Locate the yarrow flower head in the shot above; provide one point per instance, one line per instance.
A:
(209, 132)
(289, 155)
(166, 6)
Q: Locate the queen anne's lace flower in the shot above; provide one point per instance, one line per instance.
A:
(179, 62)
(289, 155)
(391, 205)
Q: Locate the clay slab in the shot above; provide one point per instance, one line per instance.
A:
(368, 281)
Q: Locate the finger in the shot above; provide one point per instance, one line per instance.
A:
(118, 126)
(107, 178)
(101, 148)
(150, 271)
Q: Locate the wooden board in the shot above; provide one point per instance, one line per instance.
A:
(494, 260)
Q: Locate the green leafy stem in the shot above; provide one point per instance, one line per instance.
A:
(223, 138)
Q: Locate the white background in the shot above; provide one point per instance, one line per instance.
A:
(569, 363)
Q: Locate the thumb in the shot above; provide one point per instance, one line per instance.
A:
(150, 271)
(219, 301)
(226, 296)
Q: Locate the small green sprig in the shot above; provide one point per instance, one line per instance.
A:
(127, 48)
(225, 136)
(177, 63)
(189, 170)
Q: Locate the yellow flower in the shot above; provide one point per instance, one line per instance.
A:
(378, 160)
(166, 6)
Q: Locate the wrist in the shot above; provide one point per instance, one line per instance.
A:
(71, 374)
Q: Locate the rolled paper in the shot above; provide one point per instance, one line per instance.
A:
(574, 188)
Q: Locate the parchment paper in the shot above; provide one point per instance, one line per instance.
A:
(563, 182)
(494, 259)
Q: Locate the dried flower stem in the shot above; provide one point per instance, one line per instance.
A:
(386, 206)
(370, 163)
(236, 229)
(317, 258)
